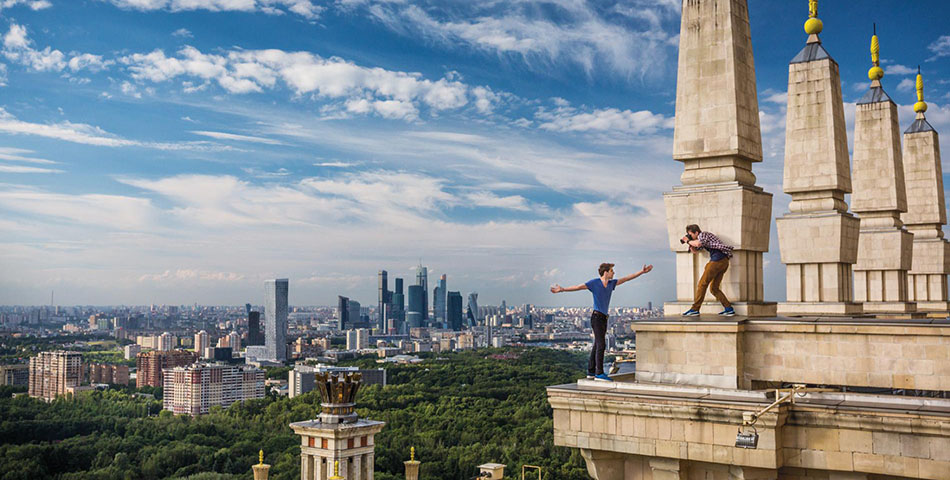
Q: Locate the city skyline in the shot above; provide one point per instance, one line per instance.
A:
(517, 150)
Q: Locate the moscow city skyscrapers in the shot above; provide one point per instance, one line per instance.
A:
(472, 313)
(422, 279)
(398, 306)
(454, 310)
(417, 298)
(384, 307)
(275, 319)
(438, 300)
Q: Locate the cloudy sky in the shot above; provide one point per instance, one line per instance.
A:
(180, 151)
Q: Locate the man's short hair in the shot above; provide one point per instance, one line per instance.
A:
(604, 267)
(693, 228)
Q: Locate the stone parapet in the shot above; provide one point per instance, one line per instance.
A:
(751, 353)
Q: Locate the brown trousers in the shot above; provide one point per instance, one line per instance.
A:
(712, 278)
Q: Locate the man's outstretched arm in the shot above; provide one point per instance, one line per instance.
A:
(646, 269)
(559, 289)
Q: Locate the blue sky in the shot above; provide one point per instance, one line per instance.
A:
(179, 151)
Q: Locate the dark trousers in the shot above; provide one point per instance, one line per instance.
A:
(598, 323)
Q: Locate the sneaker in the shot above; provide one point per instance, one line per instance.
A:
(728, 312)
(602, 377)
(691, 313)
(590, 377)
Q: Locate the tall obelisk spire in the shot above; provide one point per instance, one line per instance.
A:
(717, 138)
(885, 248)
(818, 238)
(926, 211)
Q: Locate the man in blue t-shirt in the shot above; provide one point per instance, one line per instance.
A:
(601, 288)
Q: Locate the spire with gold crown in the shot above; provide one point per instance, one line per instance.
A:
(920, 121)
(813, 26)
(261, 469)
(875, 74)
(336, 471)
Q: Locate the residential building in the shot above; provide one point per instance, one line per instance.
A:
(194, 389)
(131, 351)
(111, 374)
(15, 375)
(52, 373)
(149, 365)
(301, 379)
(202, 341)
(166, 342)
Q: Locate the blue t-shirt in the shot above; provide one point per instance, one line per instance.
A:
(715, 255)
(601, 293)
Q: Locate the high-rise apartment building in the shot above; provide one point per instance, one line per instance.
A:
(414, 312)
(234, 341)
(275, 319)
(202, 341)
(15, 375)
(254, 334)
(131, 351)
(194, 389)
(166, 342)
(110, 374)
(454, 310)
(52, 373)
(150, 365)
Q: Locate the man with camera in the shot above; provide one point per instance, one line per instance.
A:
(719, 255)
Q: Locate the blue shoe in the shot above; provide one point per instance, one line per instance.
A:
(691, 313)
(728, 312)
(602, 377)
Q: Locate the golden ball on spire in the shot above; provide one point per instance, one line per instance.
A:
(876, 73)
(813, 26)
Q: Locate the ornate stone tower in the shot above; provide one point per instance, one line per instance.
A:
(339, 435)
(717, 138)
(412, 465)
(818, 238)
(926, 212)
(885, 247)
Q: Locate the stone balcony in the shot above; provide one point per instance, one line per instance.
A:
(678, 416)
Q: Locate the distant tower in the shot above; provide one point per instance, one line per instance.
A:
(412, 465)
(381, 309)
(254, 336)
(439, 301)
(399, 306)
(718, 139)
(422, 279)
(202, 341)
(926, 211)
(472, 313)
(454, 310)
(885, 248)
(275, 319)
(343, 313)
(414, 312)
(338, 435)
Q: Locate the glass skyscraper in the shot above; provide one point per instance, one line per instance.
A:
(422, 279)
(473, 309)
(384, 300)
(417, 298)
(454, 310)
(275, 319)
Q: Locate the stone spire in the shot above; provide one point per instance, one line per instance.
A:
(717, 137)
(261, 469)
(412, 465)
(926, 214)
(818, 238)
(885, 249)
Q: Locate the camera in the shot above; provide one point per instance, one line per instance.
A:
(684, 239)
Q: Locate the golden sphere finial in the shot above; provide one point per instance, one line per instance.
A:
(261, 456)
(412, 453)
(876, 72)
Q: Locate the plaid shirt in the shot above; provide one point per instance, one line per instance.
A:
(710, 241)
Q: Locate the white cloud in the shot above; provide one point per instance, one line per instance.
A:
(32, 4)
(190, 276)
(570, 119)
(25, 169)
(90, 135)
(334, 164)
(940, 47)
(897, 69)
(304, 8)
(907, 85)
(364, 90)
(490, 199)
(234, 136)
(543, 32)
(17, 47)
(18, 155)
(182, 33)
(3, 75)
(112, 211)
